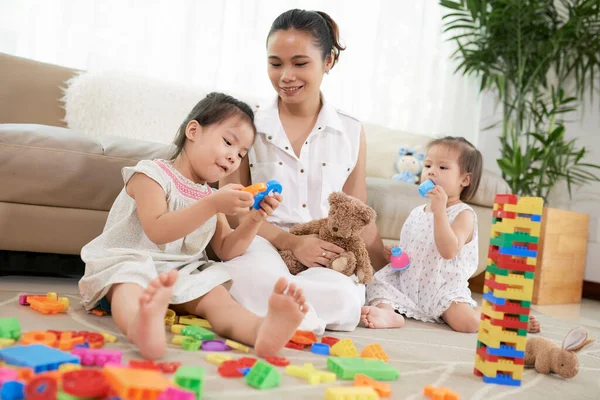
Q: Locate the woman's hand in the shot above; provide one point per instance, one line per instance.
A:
(267, 206)
(314, 252)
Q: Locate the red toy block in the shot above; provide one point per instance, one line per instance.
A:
(169, 367)
(481, 351)
(85, 383)
(41, 388)
(144, 364)
(511, 308)
(504, 214)
(492, 284)
(506, 199)
(230, 369)
(330, 340)
(509, 322)
(278, 361)
(292, 345)
(304, 337)
(246, 362)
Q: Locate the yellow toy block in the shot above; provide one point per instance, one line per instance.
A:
(524, 294)
(193, 320)
(237, 346)
(375, 351)
(351, 393)
(493, 339)
(516, 280)
(486, 308)
(490, 368)
(344, 348)
(68, 367)
(177, 339)
(170, 317)
(531, 261)
(6, 342)
(530, 205)
(108, 338)
(512, 225)
(310, 373)
(217, 358)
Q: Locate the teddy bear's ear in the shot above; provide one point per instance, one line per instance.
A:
(420, 156)
(336, 198)
(366, 214)
(402, 151)
(576, 340)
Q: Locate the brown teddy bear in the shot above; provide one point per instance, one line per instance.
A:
(347, 219)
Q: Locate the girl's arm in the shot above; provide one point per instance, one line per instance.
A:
(228, 243)
(356, 186)
(160, 225)
(450, 239)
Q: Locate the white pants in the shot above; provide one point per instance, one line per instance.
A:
(335, 299)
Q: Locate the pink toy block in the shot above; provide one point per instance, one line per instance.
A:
(176, 394)
(7, 374)
(23, 298)
(97, 357)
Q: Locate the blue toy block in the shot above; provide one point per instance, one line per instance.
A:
(489, 296)
(425, 187)
(83, 345)
(272, 187)
(39, 357)
(502, 379)
(518, 251)
(245, 370)
(320, 348)
(536, 218)
(12, 390)
(505, 351)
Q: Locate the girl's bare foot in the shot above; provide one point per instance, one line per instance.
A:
(379, 318)
(147, 328)
(534, 325)
(286, 311)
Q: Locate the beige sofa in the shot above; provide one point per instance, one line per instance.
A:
(58, 185)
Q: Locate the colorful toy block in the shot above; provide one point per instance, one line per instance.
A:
(7, 374)
(171, 318)
(12, 390)
(375, 351)
(351, 393)
(347, 368)
(304, 337)
(330, 340)
(192, 379)
(382, 389)
(10, 328)
(320, 348)
(190, 344)
(344, 348)
(197, 332)
(193, 320)
(6, 342)
(237, 346)
(49, 304)
(38, 357)
(97, 357)
(41, 388)
(278, 361)
(85, 383)
(263, 376)
(508, 289)
(310, 373)
(440, 393)
(217, 359)
(130, 383)
(176, 394)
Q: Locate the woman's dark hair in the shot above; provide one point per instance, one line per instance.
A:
(316, 23)
(470, 161)
(213, 109)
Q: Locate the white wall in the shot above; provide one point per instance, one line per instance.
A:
(583, 125)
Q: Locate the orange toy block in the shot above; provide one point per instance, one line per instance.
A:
(67, 341)
(39, 337)
(382, 389)
(375, 351)
(255, 189)
(441, 393)
(49, 304)
(129, 383)
(304, 337)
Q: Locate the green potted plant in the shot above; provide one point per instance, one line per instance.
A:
(540, 58)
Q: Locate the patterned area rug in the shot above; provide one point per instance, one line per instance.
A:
(425, 354)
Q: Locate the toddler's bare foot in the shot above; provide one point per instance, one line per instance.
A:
(147, 328)
(286, 311)
(380, 318)
(534, 325)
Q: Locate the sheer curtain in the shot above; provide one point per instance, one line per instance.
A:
(395, 72)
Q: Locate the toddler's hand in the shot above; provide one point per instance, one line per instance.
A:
(438, 199)
(230, 200)
(267, 206)
(387, 252)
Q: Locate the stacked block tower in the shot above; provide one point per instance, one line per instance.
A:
(508, 289)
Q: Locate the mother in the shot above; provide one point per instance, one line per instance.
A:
(313, 149)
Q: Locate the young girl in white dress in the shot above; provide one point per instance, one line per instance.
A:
(152, 250)
(441, 241)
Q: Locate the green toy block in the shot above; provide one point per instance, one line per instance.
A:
(492, 269)
(508, 239)
(345, 368)
(523, 318)
(529, 275)
(263, 376)
(522, 332)
(10, 328)
(526, 304)
(190, 378)
(65, 396)
(190, 344)
(198, 332)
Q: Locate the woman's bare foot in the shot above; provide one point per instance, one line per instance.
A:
(286, 311)
(534, 325)
(147, 328)
(379, 318)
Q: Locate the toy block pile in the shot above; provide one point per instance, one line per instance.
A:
(508, 289)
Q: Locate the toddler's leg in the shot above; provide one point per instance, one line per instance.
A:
(268, 335)
(139, 313)
(381, 316)
(462, 317)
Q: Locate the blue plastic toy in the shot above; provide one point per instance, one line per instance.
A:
(399, 259)
(12, 390)
(39, 357)
(261, 190)
(320, 348)
(426, 187)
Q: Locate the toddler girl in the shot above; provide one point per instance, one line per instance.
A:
(441, 240)
(152, 250)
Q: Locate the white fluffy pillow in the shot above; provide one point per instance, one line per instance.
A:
(123, 104)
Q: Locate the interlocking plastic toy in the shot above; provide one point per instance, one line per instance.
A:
(425, 187)
(10, 328)
(261, 190)
(441, 393)
(351, 393)
(263, 376)
(191, 378)
(399, 259)
(382, 389)
(344, 348)
(347, 368)
(38, 357)
(304, 337)
(375, 351)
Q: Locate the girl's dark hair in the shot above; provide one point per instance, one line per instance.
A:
(213, 109)
(316, 23)
(470, 161)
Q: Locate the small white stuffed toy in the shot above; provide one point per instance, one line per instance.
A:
(409, 165)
